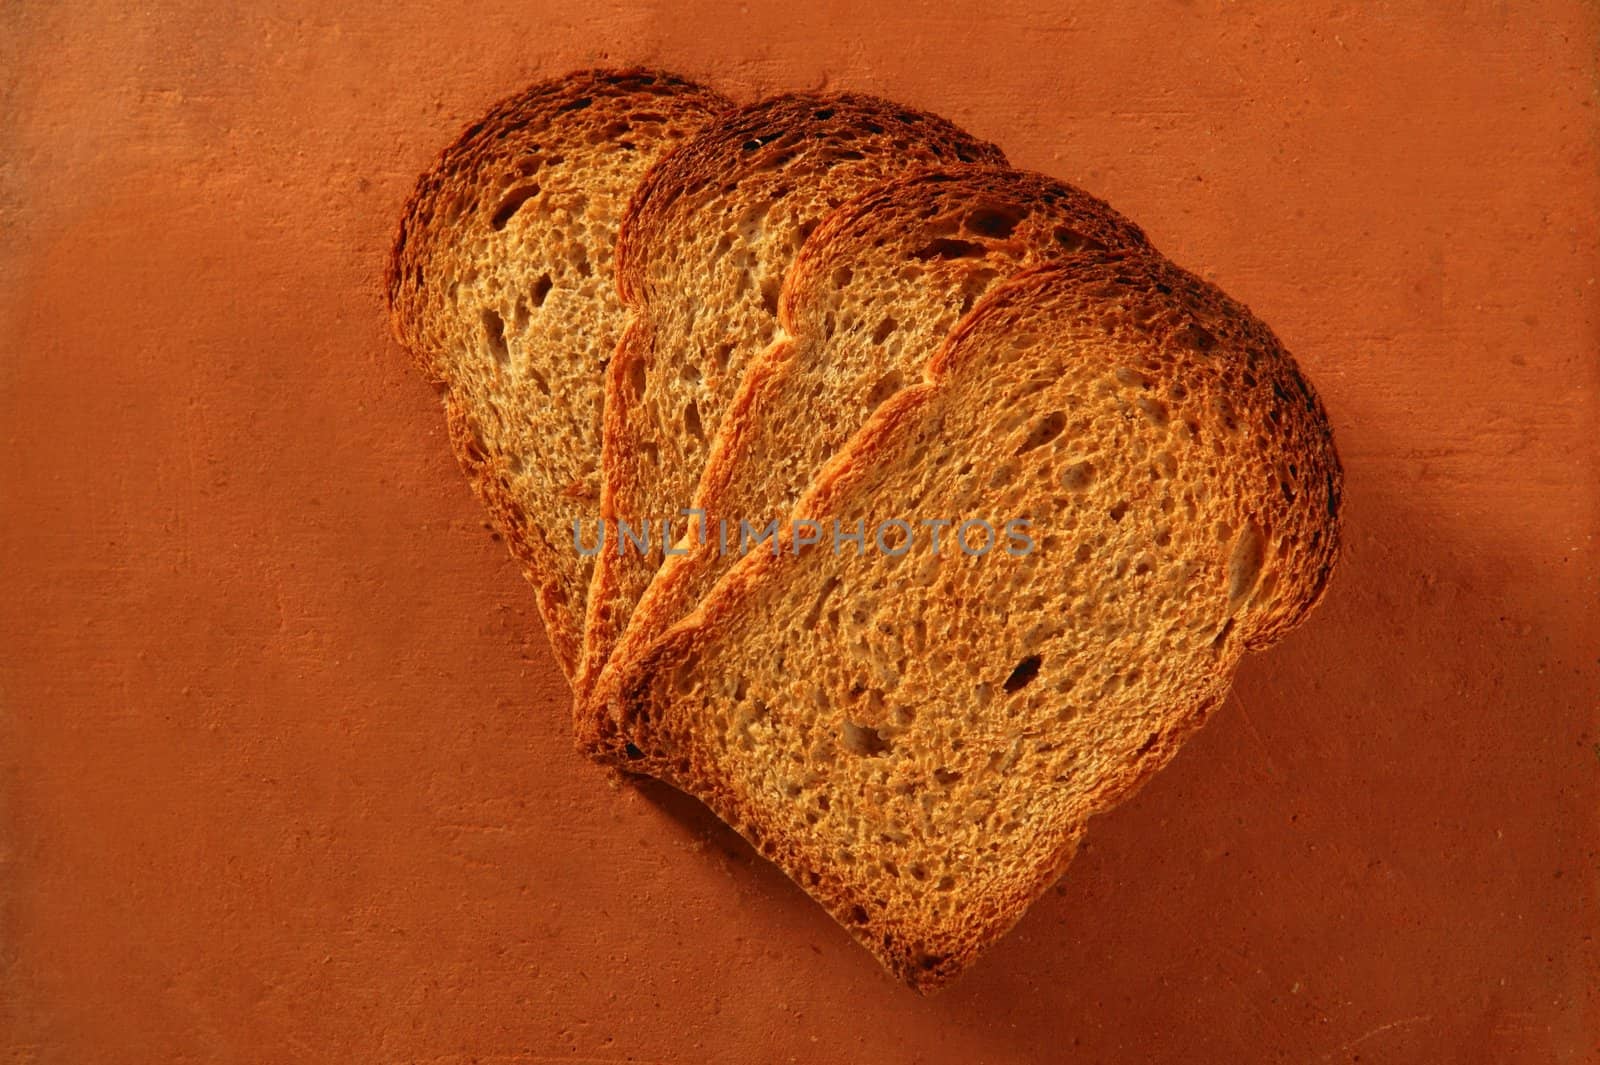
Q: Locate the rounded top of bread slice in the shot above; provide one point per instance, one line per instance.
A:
(809, 149)
(581, 141)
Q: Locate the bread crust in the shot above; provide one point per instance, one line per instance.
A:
(460, 207)
(1288, 479)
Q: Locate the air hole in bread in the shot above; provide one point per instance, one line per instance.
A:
(886, 386)
(945, 777)
(1071, 240)
(577, 105)
(1230, 422)
(1118, 509)
(511, 204)
(1285, 479)
(769, 295)
(976, 284)
(883, 329)
(996, 223)
(1153, 409)
(612, 131)
(1078, 476)
(858, 914)
(947, 248)
(541, 289)
(864, 740)
(1044, 430)
(815, 612)
(1024, 674)
(691, 421)
(1244, 565)
(494, 332)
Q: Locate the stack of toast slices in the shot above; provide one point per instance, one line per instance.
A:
(905, 508)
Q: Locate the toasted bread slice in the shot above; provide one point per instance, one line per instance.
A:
(918, 738)
(872, 295)
(501, 284)
(701, 258)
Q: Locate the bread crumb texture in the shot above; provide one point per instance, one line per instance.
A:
(919, 740)
(703, 295)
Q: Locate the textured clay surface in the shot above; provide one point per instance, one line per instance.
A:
(285, 767)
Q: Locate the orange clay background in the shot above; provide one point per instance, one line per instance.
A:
(286, 768)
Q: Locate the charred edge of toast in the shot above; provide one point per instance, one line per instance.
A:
(1030, 191)
(531, 109)
(765, 134)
